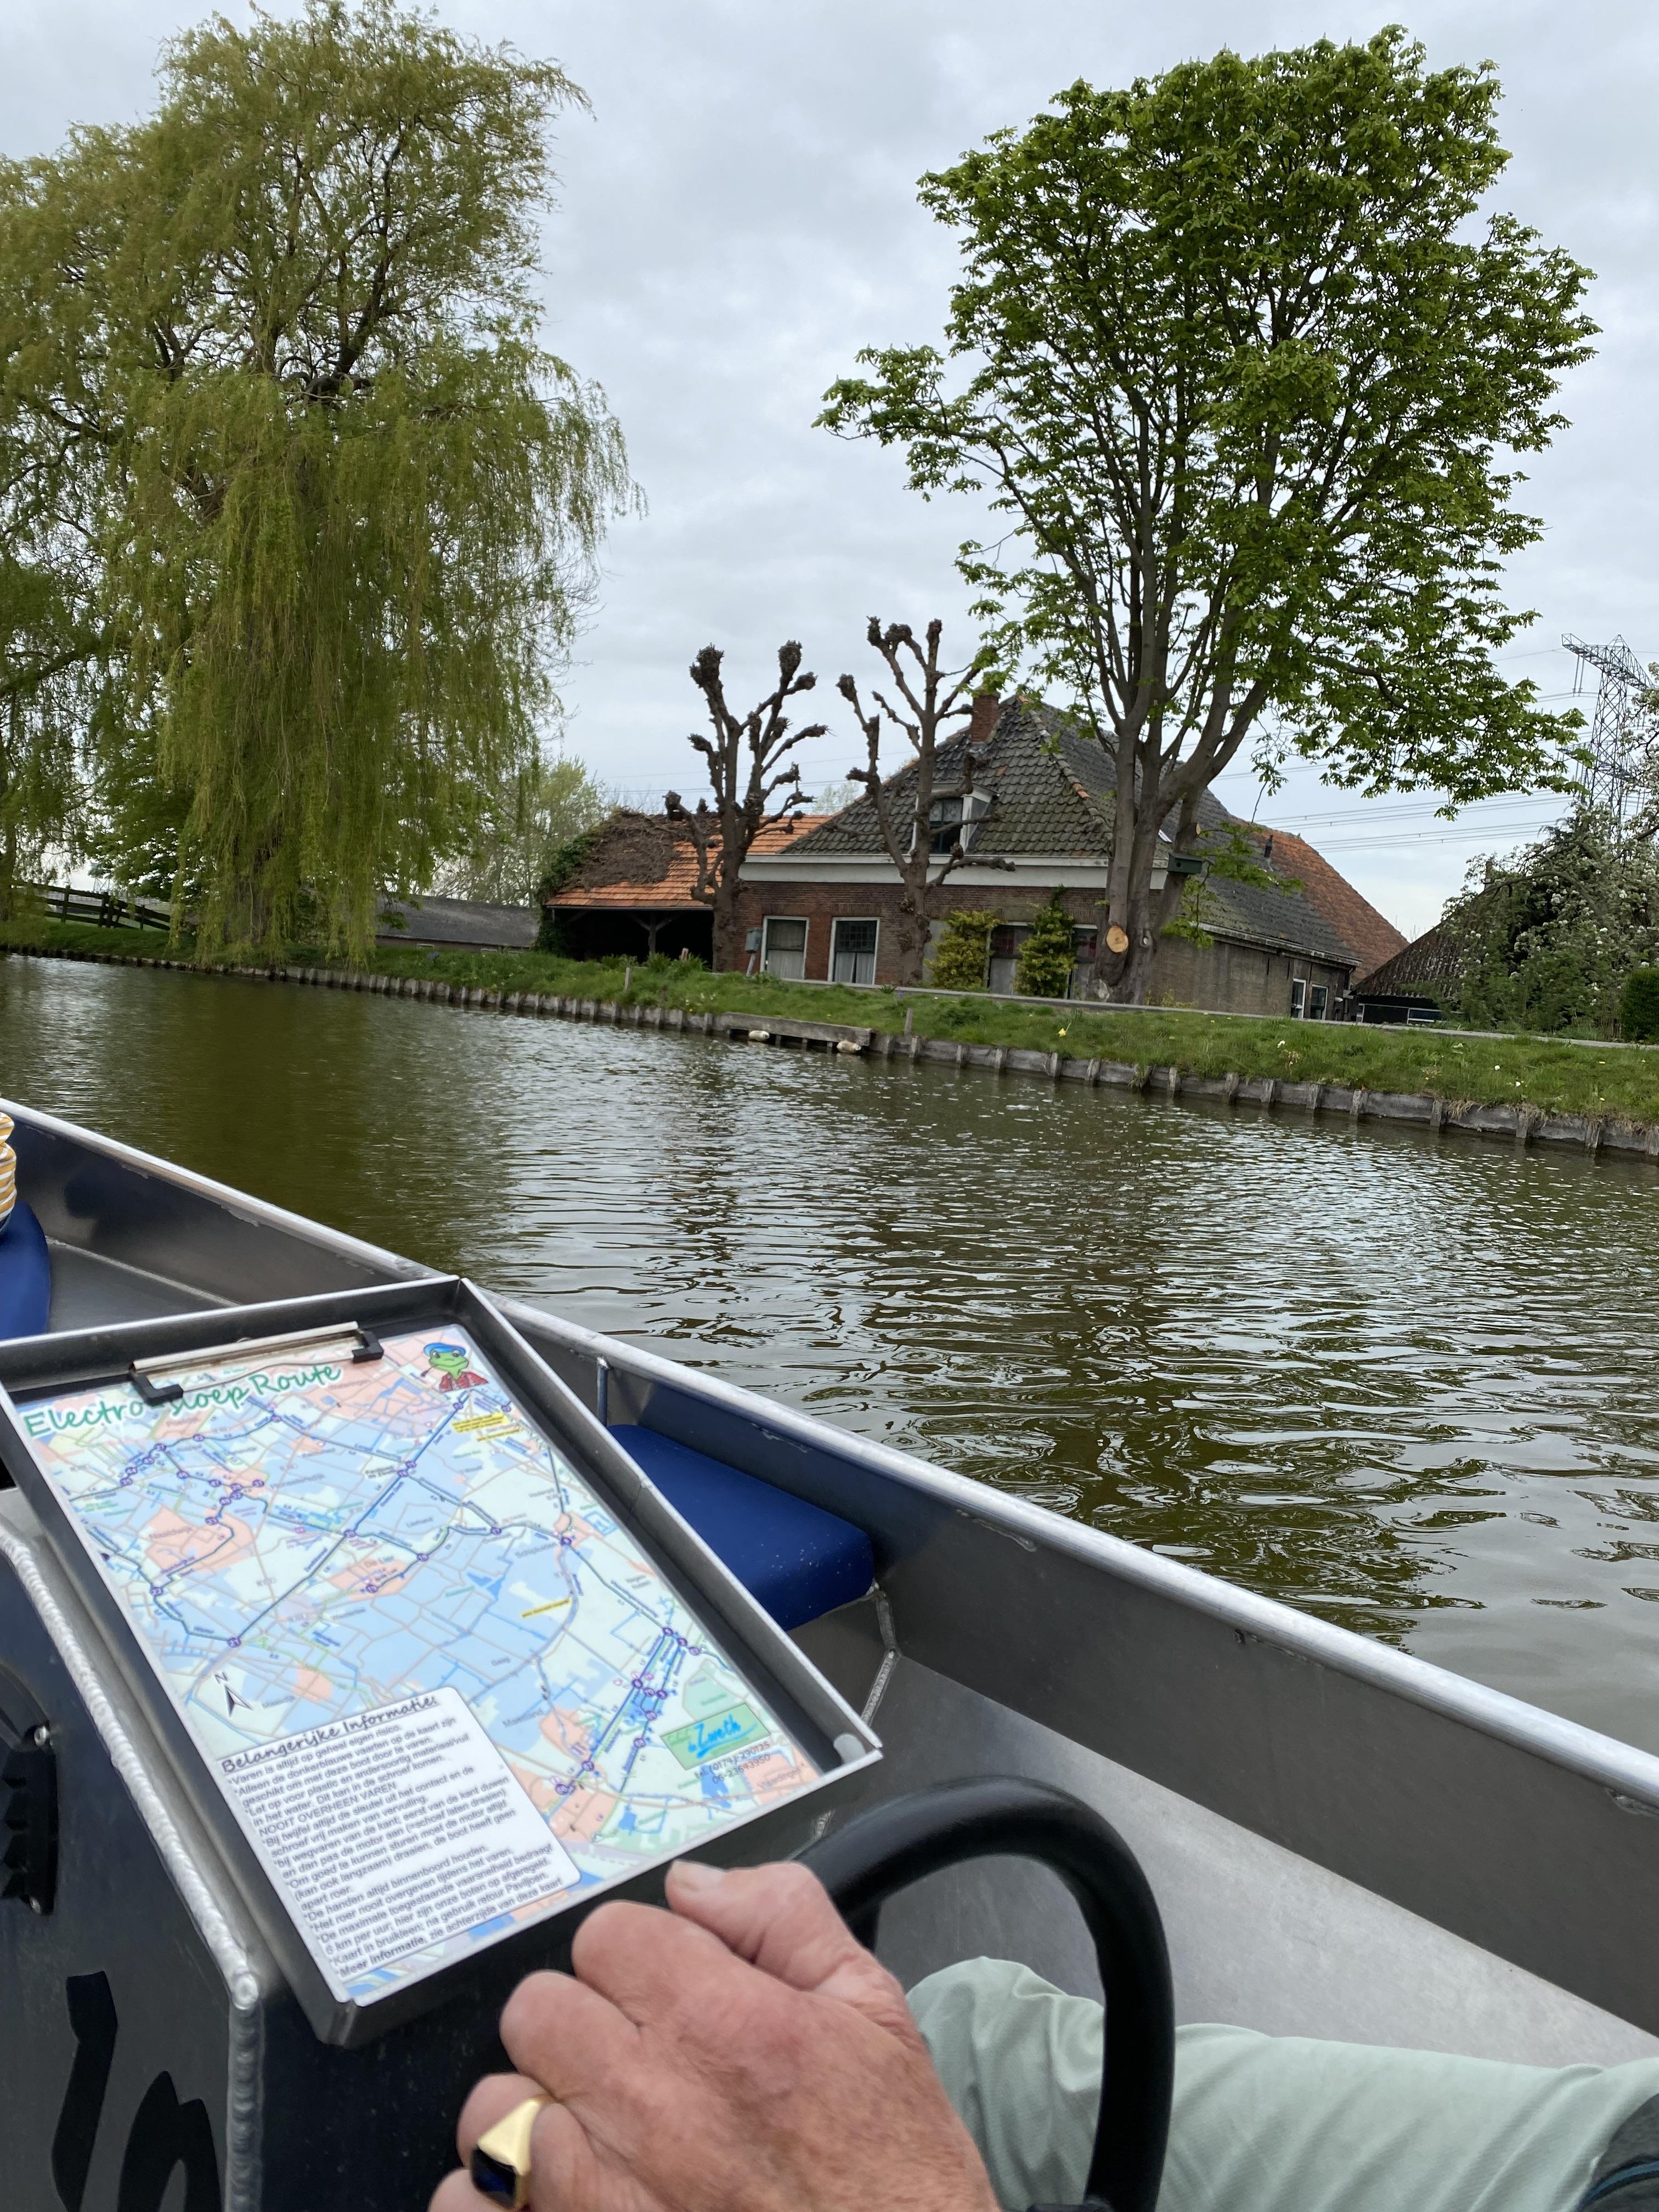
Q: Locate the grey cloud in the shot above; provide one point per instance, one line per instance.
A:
(740, 217)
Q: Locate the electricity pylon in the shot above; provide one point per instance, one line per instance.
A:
(1624, 739)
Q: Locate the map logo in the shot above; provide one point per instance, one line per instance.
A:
(448, 1362)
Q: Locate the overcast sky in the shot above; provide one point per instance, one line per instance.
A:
(738, 218)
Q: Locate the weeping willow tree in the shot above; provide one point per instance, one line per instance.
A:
(52, 638)
(47, 680)
(351, 502)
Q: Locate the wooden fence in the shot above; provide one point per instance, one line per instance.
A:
(107, 909)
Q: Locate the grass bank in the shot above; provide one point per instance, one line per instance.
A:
(1554, 1076)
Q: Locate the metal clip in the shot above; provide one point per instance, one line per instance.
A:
(141, 1373)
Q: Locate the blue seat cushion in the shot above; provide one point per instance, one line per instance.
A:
(799, 1560)
(25, 1276)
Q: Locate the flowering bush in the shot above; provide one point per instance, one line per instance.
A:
(1549, 939)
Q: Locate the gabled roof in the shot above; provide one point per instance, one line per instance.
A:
(1428, 965)
(1371, 938)
(1046, 785)
(1051, 790)
(646, 862)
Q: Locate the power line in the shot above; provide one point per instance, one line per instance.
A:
(1422, 809)
(1420, 837)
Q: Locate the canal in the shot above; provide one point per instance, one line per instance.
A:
(1406, 1384)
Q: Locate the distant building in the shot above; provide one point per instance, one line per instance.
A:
(1370, 937)
(823, 905)
(818, 900)
(1412, 986)
(633, 895)
(471, 925)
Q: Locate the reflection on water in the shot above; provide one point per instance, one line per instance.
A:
(1406, 1385)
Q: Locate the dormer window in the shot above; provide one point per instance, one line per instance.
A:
(954, 818)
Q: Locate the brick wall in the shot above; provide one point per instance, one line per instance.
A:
(1240, 978)
(818, 905)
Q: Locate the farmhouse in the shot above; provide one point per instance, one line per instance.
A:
(822, 903)
(818, 898)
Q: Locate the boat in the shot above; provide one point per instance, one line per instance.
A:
(1343, 1840)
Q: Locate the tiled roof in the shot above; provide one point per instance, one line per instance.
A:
(1046, 784)
(1370, 938)
(457, 922)
(1052, 792)
(1432, 959)
(645, 861)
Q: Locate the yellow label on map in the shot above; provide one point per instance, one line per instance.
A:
(486, 1425)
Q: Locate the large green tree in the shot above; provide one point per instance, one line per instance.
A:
(285, 332)
(1240, 361)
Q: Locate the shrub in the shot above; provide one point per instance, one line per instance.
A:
(1638, 1008)
(964, 947)
(1047, 956)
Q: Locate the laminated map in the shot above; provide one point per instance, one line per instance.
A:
(444, 1689)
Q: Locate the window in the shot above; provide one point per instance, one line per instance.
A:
(853, 951)
(945, 823)
(1298, 997)
(783, 949)
(1086, 951)
(949, 819)
(1318, 998)
(1003, 964)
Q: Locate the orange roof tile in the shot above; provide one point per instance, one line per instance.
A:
(1368, 935)
(647, 860)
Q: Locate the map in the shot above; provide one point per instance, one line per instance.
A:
(444, 1689)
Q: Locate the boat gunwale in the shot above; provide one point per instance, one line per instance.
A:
(1626, 1771)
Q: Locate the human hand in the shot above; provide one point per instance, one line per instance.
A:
(741, 2053)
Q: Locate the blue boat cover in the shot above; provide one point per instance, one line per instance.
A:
(25, 1276)
(799, 1560)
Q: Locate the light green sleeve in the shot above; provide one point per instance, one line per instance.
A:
(1268, 2123)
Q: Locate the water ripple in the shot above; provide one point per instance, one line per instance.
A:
(1406, 1385)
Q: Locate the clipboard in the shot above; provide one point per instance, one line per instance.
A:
(438, 1666)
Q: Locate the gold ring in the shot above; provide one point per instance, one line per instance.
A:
(501, 2158)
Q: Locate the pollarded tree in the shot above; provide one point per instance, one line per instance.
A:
(1237, 361)
(291, 319)
(753, 789)
(924, 848)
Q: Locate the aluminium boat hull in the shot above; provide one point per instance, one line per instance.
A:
(1344, 1841)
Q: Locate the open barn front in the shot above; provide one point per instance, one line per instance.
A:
(605, 932)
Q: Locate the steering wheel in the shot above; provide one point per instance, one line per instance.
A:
(896, 1843)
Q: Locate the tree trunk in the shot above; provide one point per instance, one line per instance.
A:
(1134, 907)
(909, 941)
(727, 950)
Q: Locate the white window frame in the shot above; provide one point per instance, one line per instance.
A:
(805, 923)
(975, 806)
(1298, 997)
(874, 921)
(1320, 993)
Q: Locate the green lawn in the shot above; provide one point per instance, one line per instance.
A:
(1552, 1075)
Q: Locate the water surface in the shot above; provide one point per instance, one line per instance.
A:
(1406, 1384)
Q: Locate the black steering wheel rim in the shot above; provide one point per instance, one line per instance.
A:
(884, 1849)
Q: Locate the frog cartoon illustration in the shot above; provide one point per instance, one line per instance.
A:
(448, 1362)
